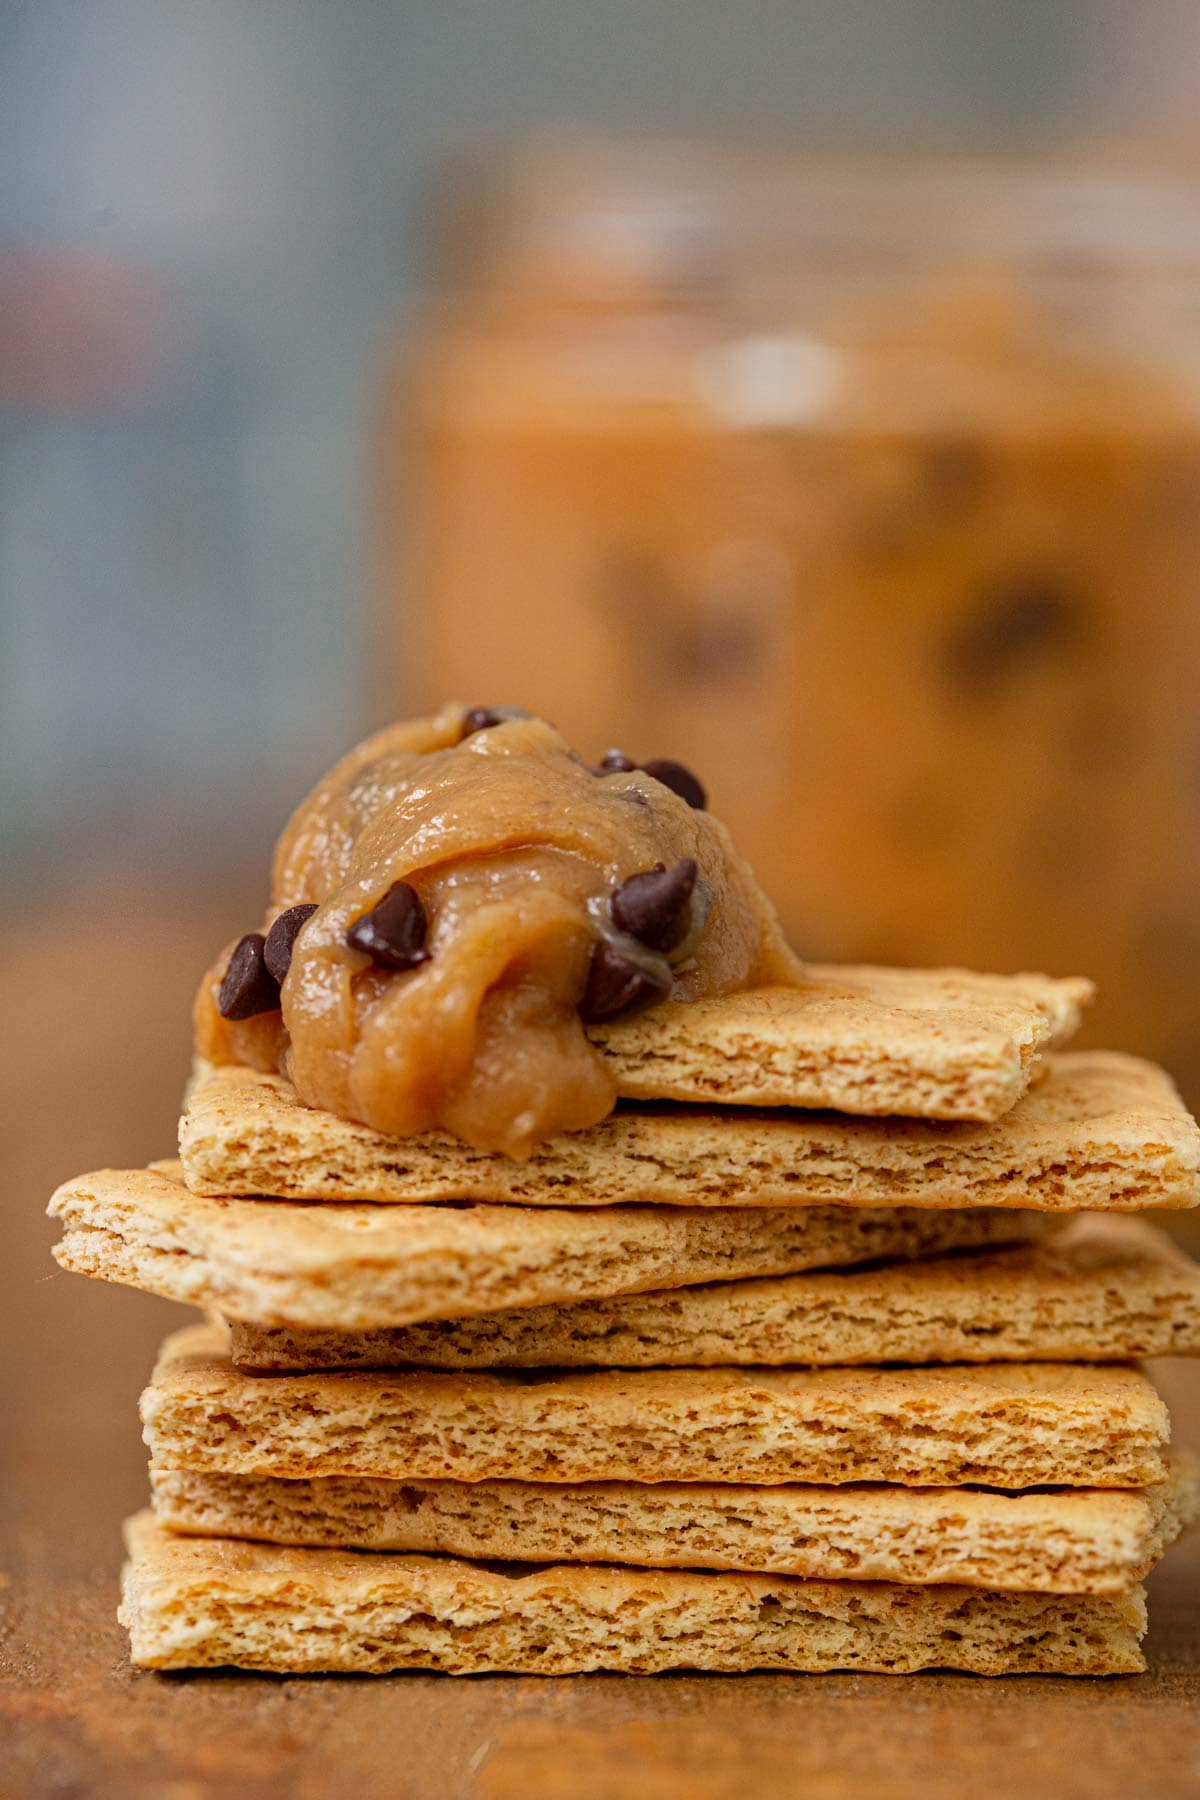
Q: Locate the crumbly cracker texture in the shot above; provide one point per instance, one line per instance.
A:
(193, 1603)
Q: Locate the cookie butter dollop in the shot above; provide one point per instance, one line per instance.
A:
(508, 849)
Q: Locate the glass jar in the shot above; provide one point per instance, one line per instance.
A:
(872, 492)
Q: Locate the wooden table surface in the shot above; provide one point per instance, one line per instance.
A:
(95, 1049)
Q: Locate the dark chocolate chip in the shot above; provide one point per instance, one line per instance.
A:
(615, 762)
(655, 906)
(281, 939)
(393, 933)
(616, 982)
(480, 718)
(247, 986)
(681, 781)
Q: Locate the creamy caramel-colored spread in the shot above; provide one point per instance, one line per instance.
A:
(454, 998)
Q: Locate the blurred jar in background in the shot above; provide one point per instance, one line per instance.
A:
(872, 492)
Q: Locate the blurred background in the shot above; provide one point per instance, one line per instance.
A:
(809, 393)
(808, 390)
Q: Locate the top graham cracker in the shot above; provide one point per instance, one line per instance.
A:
(922, 1043)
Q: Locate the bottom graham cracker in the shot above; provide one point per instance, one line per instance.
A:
(194, 1603)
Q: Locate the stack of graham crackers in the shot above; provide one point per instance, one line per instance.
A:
(819, 1353)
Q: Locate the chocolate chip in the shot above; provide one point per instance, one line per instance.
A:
(281, 939)
(616, 982)
(615, 762)
(480, 718)
(655, 906)
(393, 933)
(681, 781)
(247, 986)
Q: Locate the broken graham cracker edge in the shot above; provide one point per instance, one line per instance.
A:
(926, 1043)
(356, 1267)
(1102, 1131)
(995, 1425)
(208, 1603)
(1102, 1289)
(1058, 1541)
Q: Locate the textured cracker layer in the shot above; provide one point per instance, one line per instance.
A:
(1000, 1425)
(1101, 1132)
(1100, 1290)
(191, 1603)
(1051, 1541)
(351, 1268)
(928, 1043)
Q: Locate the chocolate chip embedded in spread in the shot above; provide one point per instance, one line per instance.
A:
(681, 781)
(655, 906)
(281, 939)
(247, 986)
(482, 718)
(393, 933)
(616, 982)
(615, 762)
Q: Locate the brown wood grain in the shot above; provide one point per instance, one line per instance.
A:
(94, 1052)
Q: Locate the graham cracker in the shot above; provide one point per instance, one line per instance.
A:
(1099, 1290)
(1061, 1540)
(929, 1043)
(350, 1268)
(1101, 1132)
(1015, 1425)
(192, 1603)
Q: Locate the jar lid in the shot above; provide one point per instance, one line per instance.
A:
(603, 223)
